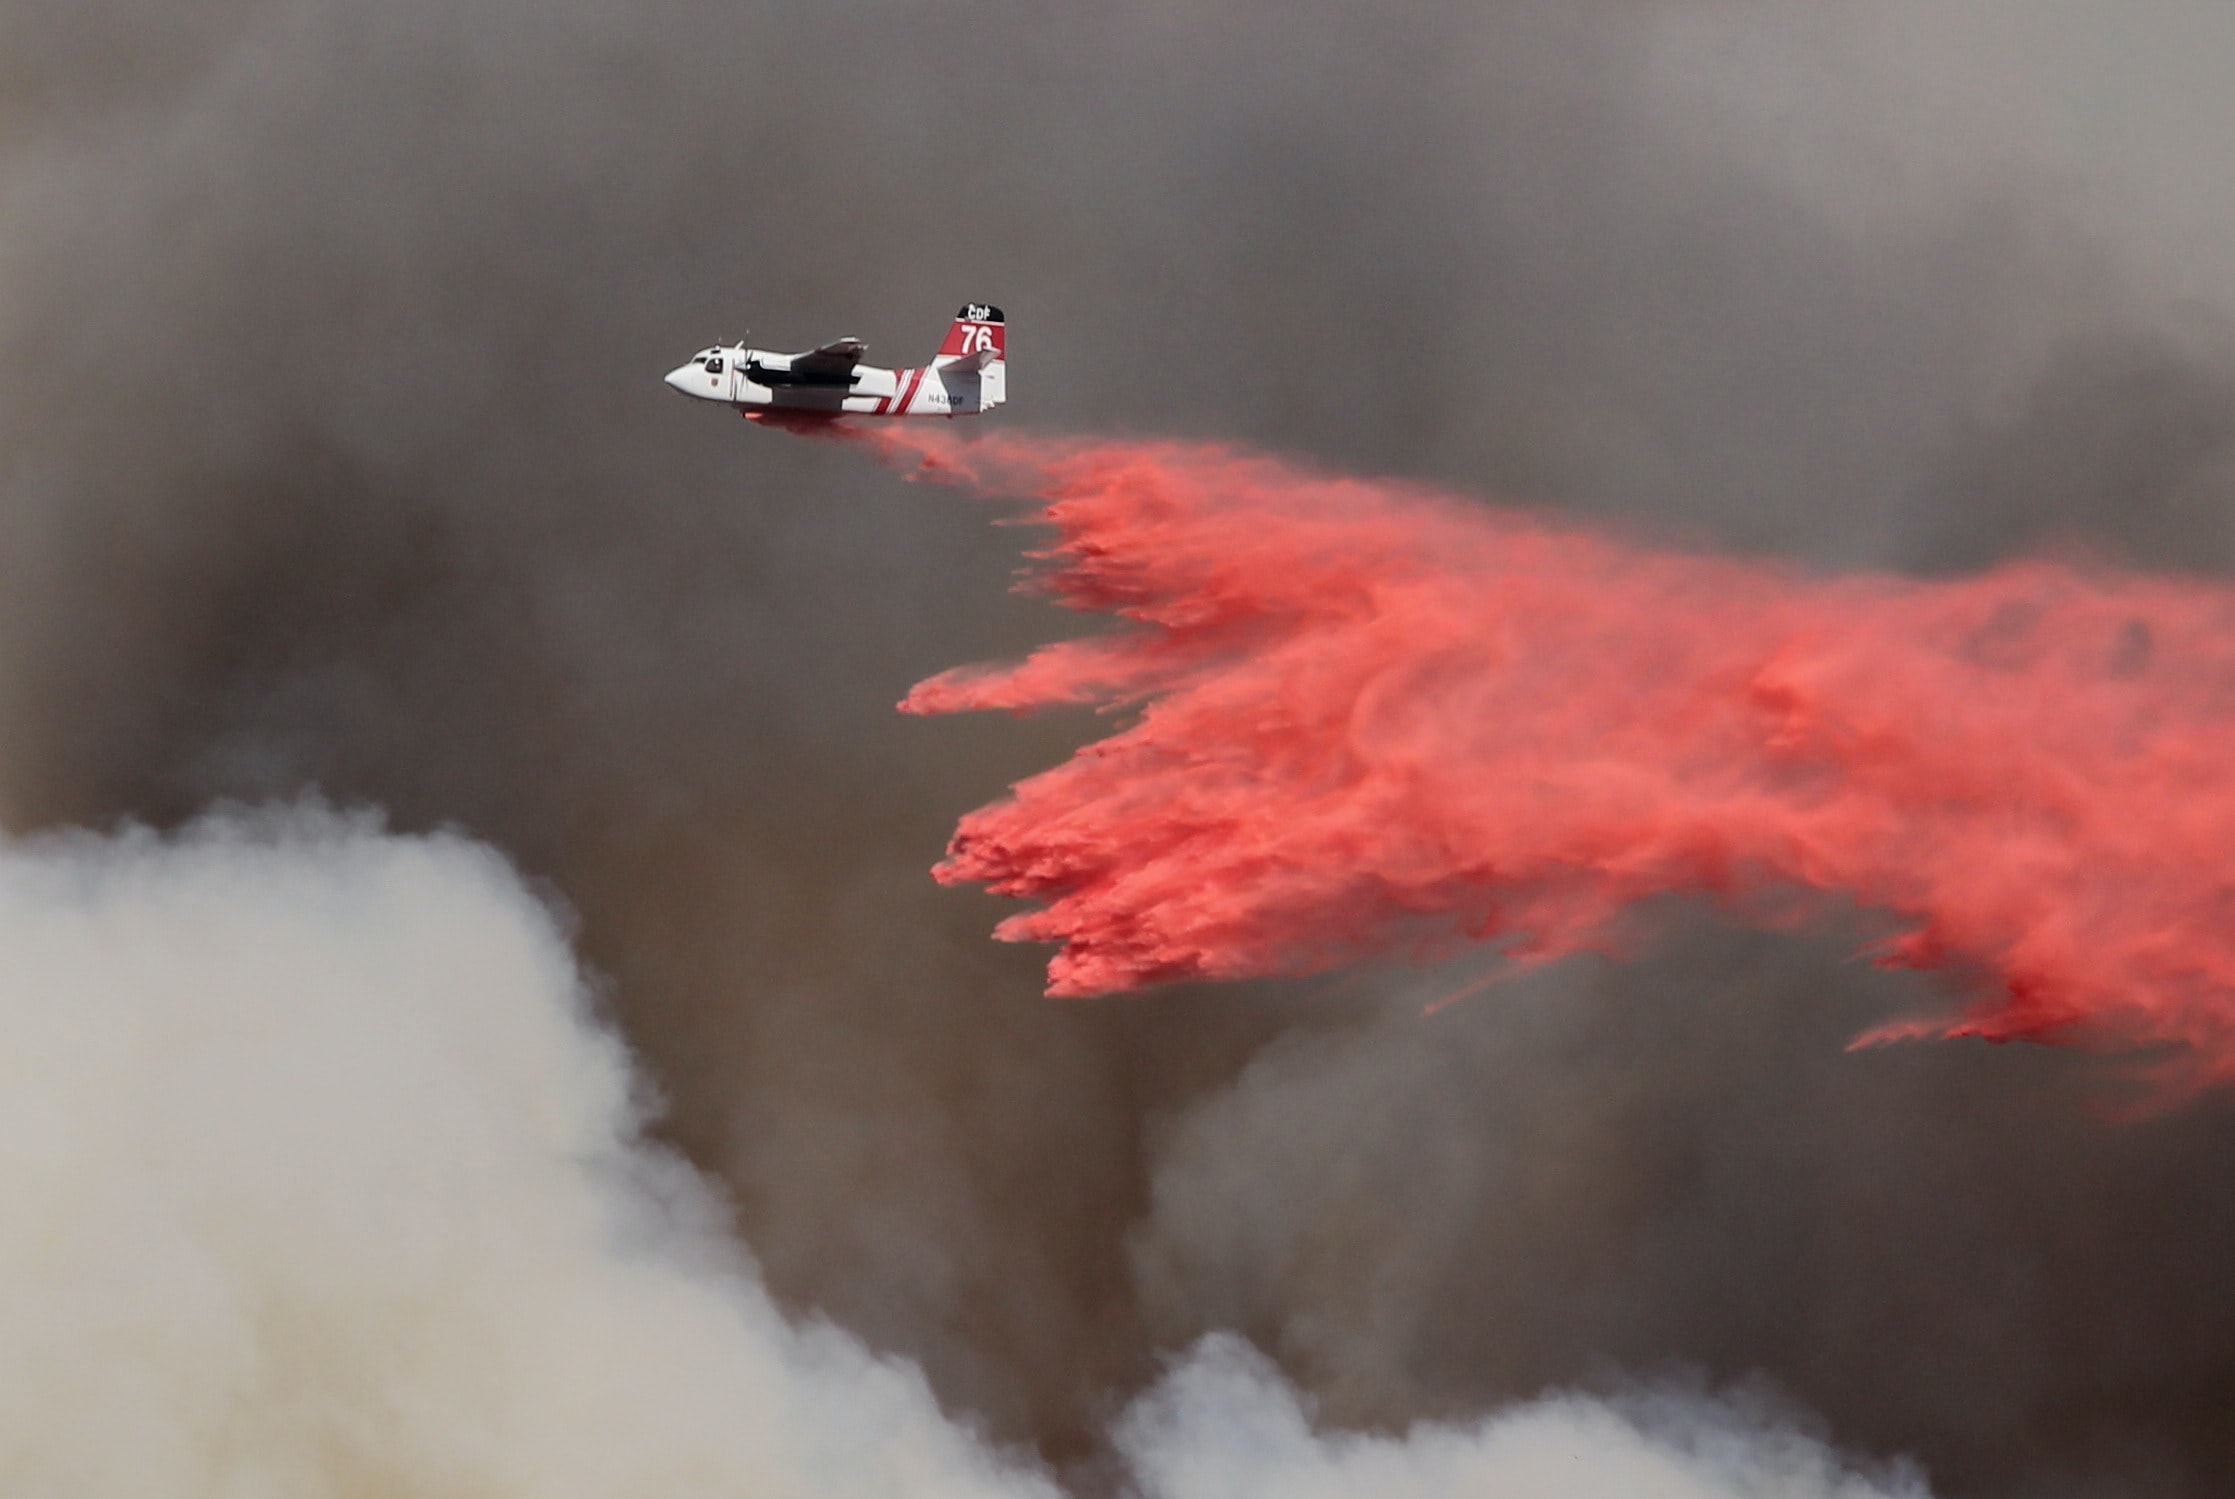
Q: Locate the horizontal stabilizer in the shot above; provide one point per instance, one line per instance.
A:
(969, 364)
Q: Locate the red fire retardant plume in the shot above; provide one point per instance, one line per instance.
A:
(1369, 718)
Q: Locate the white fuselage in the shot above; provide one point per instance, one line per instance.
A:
(758, 380)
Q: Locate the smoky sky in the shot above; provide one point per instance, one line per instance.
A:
(334, 458)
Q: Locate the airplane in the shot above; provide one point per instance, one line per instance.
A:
(969, 375)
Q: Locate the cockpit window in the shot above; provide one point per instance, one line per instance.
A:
(714, 366)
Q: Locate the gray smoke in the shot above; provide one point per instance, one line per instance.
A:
(325, 1181)
(333, 455)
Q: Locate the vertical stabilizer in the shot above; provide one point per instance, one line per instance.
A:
(977, 329)
(980, 338)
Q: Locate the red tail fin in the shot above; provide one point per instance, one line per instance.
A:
(977, 329)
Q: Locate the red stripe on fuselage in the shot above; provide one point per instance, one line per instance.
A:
(908, 392)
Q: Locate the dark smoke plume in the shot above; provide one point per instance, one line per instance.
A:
(333, 454)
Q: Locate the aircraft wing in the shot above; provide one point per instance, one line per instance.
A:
(833, 361)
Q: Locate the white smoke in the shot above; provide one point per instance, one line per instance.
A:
(1225, 1426)
(323, 1178)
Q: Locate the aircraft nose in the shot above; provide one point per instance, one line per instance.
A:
(679, 378)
